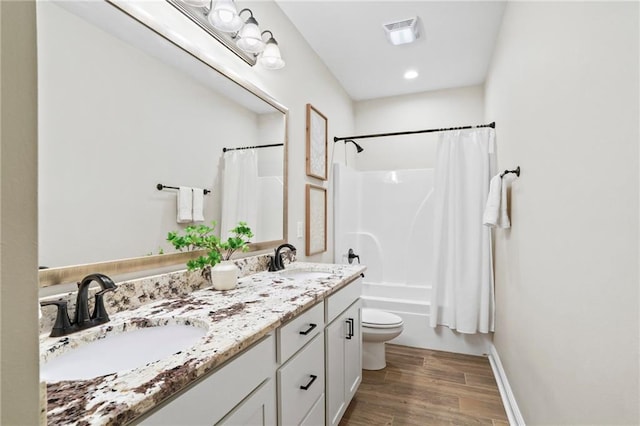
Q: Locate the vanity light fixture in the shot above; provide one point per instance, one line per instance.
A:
(221, 19)
(197, 3)
(270, 57)
(402, 32)
(249, 37)
(224, 16)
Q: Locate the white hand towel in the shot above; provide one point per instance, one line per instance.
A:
(492, 208)
(198, 205)
(184, 202)
(503, 218)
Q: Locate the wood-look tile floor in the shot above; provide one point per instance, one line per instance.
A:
(424, 387)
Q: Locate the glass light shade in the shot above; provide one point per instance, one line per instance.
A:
(224, 16)
(250, 39)
(197, 3)
(270, 57)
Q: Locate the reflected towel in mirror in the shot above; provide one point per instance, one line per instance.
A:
(184, 203)
(198, 205)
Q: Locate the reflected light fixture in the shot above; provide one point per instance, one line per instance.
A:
(223, 17)
(402, 32)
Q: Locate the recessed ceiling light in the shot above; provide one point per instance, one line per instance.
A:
(402, 32)
(410, 74)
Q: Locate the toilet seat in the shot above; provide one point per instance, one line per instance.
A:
(374, 318)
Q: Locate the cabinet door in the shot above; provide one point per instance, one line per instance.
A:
(259, 409)
(353, 353)
(335, 336)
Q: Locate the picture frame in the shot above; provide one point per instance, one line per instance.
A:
(317, 129)
(316, 220)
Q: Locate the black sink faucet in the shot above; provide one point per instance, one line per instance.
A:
(82, 319)
(276, 260)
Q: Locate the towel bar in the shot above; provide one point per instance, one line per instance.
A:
(516, 171)
(160, 187)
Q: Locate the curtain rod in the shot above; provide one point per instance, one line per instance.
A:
(412, 132)
(252, 147)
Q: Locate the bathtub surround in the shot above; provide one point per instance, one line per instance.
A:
(463, 297)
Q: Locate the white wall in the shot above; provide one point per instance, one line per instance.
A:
(428, 110)
(563, 90)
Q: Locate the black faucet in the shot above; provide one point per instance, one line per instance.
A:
(276, 260)
(82, 320)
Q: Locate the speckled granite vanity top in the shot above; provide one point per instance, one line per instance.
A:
(234, 320)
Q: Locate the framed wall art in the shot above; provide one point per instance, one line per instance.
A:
(316, 220)
(317, 125)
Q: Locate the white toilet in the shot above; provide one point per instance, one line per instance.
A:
(378, 327)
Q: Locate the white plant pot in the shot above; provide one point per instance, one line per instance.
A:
(224, 276)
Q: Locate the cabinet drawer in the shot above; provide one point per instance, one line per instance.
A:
(296, 333)
(294, 401)
(204, 403)
(338, 302)
(316, 415)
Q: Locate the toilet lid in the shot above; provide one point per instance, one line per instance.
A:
(379, 319)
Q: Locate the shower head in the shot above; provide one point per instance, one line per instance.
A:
(358, 147)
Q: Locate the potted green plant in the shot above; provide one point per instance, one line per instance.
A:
(216, 262)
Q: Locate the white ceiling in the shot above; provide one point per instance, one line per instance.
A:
(454, 49)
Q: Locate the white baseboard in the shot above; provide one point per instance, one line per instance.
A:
(508, 399)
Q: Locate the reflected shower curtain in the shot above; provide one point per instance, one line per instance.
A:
(463, 274)
(239, 190)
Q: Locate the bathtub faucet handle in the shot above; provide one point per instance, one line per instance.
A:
(352, 256)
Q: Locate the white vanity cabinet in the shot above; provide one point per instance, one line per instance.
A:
(243, 388)
(343, 340)
(305, 373)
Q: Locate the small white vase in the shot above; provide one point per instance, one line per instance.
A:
(224, 276)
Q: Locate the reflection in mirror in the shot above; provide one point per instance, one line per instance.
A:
(125, 109)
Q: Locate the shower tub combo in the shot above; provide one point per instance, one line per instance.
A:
(386, 218)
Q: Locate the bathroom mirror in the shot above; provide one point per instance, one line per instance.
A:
(123, 108)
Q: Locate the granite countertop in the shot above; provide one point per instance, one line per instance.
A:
(234, 320)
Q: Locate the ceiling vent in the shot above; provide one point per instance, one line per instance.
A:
(402, 32)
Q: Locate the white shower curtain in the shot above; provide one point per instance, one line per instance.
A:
(240, 190)
(463, 282)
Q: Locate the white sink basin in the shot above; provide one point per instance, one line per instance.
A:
(304, 274)
(121, 352)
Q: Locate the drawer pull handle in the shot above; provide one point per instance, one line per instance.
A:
(350, 332)
(308, 385)
(308, 330)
